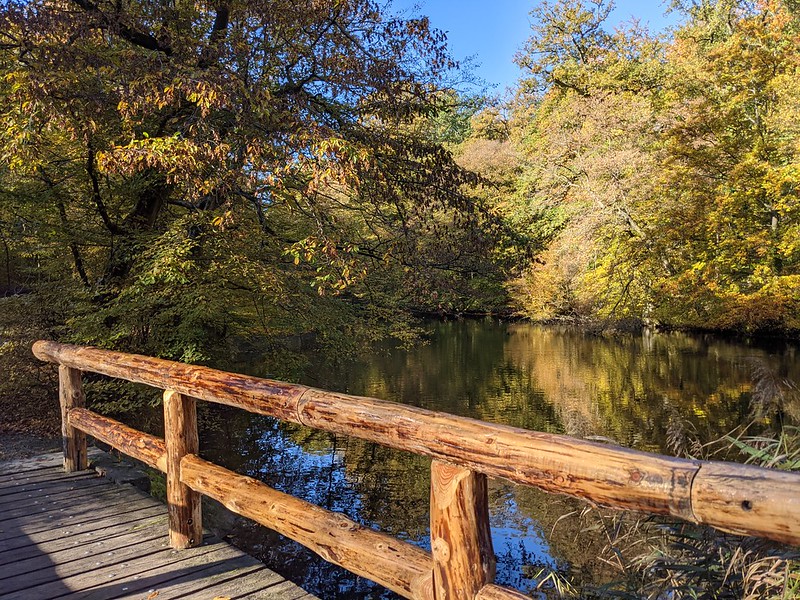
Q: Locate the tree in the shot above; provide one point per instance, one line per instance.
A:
(590, 166)
(666, 168)
(729, 219)
(213, 165)
(568, 42)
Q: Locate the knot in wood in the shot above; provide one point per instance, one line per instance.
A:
(636, 475)
(347, 525)
(441, 549)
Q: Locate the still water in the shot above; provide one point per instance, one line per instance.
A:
(651, 391)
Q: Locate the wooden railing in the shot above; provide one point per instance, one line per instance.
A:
(732, 497)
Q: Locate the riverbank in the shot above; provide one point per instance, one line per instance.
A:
(598, 326)
(30, 416)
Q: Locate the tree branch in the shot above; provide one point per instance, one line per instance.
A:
(96, 196)
(73, 246)
(218, 31)
(135, 37)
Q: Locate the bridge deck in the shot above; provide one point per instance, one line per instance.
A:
(83, 536)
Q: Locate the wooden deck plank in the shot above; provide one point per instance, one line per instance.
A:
(53, 541)
(54, 474)
(83, 501)
(250, 587)
(247, 587)
(79, 536)
(195, 570)
(52, 567)
(29, 487)
(35, 486)
(285, 590)
(116, 504)
(16, 476)
(71, 561)
(35, 493)
(48, 474)
(35, 463)
(92, 497)
(205, 580)
(139, 561)
(25, 465)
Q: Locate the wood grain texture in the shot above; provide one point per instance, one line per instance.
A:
(224, 573)
(497, 592)
(37, 567)
(70, 395)
(34, 466)
(92, 549)
(748, 501)
(13, 487)
(461, 540)
(144, 447)
(183, 503)
(262, 396)
(397, 565)
(50, 541)
(606, 475)
(23, 498)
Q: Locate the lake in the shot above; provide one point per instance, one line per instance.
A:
(659, 392)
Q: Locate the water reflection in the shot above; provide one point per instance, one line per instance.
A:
(629, 389)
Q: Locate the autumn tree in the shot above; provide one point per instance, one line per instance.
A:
(729, 217)
(193, 169)
(587, 126)
(664, 168)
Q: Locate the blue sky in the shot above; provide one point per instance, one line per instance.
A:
(493, 30)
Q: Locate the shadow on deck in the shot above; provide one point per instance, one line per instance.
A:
(80, 535)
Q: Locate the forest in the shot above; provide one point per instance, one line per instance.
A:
(211, 181)
(171, 180)
(658, 173)
(184, 180)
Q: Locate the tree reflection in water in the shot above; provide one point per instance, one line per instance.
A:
(631, 389)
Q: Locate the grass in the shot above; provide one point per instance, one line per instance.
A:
(653, 558)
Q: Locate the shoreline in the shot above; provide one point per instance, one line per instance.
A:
(608, 326)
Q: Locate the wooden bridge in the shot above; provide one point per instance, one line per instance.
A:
(732, 497)
(80, 535)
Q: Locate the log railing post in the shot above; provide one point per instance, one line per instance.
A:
(461, 540)
(180, 437)
(70, 395)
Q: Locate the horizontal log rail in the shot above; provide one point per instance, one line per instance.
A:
(397, 565)
(143, 447)
(729, 496)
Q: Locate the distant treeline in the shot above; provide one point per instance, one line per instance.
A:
(659, 174)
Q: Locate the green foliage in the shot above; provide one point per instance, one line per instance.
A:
(776, 453)
(663, 170)
(184, 179)
(567, 43)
